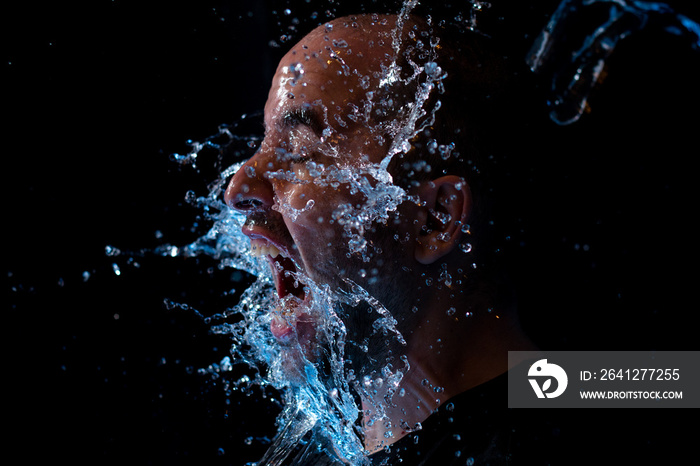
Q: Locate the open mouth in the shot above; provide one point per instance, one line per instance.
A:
(290, 291)
(283, 269)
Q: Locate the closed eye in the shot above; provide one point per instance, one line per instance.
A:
(302, 116)
(299, 158)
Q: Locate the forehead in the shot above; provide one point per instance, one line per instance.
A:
(336, 64)
(356, 43)
(370, 40)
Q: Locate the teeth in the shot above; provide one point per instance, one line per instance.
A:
(262, 249)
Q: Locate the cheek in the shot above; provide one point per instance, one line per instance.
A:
(311, 210)
(299, 197)
(312, 202)
(308, 211)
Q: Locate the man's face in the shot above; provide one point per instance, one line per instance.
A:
(309, 180)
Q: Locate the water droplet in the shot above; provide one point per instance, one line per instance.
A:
(466, 247)
(190, 197)
(111, 251)
(297, 72)
(226, 364)
(432, 69)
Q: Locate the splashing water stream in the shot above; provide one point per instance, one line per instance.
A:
(322, 400)
(576, 63)
(313, 401)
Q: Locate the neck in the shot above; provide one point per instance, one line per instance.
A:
(447, 355)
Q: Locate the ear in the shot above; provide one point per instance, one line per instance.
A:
(447, 204)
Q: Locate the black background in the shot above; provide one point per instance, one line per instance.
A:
(96, 97)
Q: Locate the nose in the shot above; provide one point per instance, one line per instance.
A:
(249, 191)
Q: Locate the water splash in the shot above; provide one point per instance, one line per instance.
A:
(320, 396)
(575, 56)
